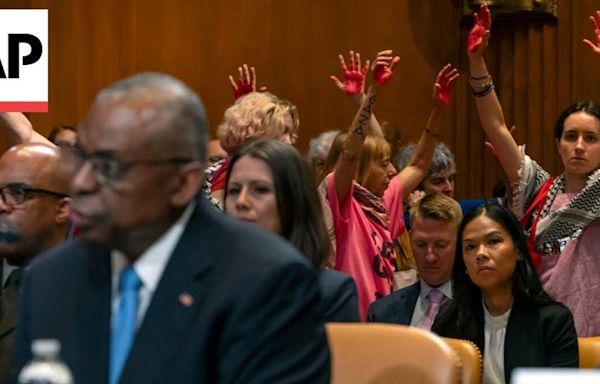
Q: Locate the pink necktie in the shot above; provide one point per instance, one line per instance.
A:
(435, 297)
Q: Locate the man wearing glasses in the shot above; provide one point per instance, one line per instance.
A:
(34, 215)
(160, 287)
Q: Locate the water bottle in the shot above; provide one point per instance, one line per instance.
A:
(46, 366)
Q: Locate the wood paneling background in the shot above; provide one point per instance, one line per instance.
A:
(539, 67)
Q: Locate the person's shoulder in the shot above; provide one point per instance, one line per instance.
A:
(68, 253)
(332, 280)
(412, 291)
(242, 242)
(554, 311)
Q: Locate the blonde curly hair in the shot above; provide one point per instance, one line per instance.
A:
(257, 115)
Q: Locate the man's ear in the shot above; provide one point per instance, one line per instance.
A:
(186, 184)
(63, 210)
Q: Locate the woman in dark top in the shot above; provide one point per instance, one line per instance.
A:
(270, 184)
(499, 302)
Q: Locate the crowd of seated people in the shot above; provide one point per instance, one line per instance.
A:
(241, 242)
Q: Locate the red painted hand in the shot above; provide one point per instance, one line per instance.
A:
(443, 84)
(246, 82)
(595, 47)
(481, 24)
(354, 75)
(383, 67)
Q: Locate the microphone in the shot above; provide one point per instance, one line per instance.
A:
(9, 233)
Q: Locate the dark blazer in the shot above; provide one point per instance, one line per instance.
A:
(255, 316)
(9, 316)
(541, 336)
(396, 308)
(340, 299)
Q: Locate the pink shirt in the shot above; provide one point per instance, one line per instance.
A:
(364, 248)
(571, 276)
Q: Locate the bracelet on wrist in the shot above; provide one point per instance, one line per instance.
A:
(476, 78)
(484, 91)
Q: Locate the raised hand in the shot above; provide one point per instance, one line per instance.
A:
(595, 47)
(443, 84)
(383, 67)
(353, 75)
(479, 34)
(246, 82)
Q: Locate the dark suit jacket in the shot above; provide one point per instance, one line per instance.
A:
(340, 299)
(396, 308)
(8, 322)
(255, 316)
(535, 337)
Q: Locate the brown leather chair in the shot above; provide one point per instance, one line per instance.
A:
(472, 361)
(589, 352)
(371, 353)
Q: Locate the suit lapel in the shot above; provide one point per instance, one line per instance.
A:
(8, 315)
(9, 307)
(517, 341)
(408, 300)
(93, 316)
(173, 304)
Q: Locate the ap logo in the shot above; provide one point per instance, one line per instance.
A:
(24, 60)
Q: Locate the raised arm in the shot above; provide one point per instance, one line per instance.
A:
(486, 100)
(246, 82)
(418, 168)
(595, 47)
(353, 84)
(19, 130)
(345, 169)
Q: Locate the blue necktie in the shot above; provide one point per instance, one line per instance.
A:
(123, 327)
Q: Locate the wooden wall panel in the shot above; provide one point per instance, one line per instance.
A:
(539, 67)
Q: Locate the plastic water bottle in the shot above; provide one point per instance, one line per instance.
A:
(46, 366)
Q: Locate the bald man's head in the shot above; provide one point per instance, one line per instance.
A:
(34, 182)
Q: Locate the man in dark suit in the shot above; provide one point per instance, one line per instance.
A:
(34, 214)
(435, 220)
(160, 287)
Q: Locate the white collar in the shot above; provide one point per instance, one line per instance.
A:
(151, 264)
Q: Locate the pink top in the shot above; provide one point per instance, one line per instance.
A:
(571, 276)
(363, 247)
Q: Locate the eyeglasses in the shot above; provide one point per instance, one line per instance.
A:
(107, 168)
(16, 194)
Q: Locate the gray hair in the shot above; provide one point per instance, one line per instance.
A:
(178, 107)
(443, 159)
(320, 145)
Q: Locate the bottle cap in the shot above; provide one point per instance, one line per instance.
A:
(45, 347)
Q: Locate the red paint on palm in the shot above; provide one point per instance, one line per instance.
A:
(382, 74)
(242, 89)
(482, 23)
(354, 82)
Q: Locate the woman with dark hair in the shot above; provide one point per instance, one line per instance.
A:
(499, 303)
(560, 214)
(270, 184)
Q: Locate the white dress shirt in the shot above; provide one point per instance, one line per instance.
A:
(149, 266)
(493, 355)
(423, 302)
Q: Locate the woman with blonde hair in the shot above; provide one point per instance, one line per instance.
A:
(365, 194)
(253, 116)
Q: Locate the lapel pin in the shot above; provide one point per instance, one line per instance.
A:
(186, 299)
